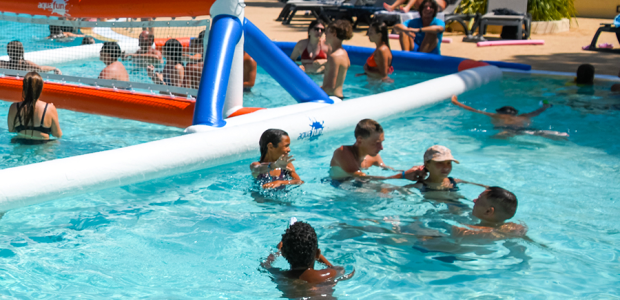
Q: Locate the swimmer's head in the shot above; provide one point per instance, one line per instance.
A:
(369, 136)
(195, 46)
(507, 110)
(428, 6)
(88, 40)
(112, 50)
(585, 74)
(173, 51)
(495, 205)
(15, 50)
(438, 161)
(55, 30)
(275, 141)
(316, 29)
(379, 31)
(300, 245)
(340, 29)
(146, 39)
(31, 91)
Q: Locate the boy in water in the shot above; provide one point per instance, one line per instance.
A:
(511, 123)
(300, 247)
(114, 70)
(493, 207)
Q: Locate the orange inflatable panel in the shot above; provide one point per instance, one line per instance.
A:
(109, 8)
(159, 42)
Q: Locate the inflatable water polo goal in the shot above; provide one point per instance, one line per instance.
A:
(203, 110)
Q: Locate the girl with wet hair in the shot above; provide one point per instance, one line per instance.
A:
(275, 167)
(313, 50)
(379, 64)
(174, 70)
(15, 50)
(32, 119)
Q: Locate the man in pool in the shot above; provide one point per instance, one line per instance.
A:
(114, 70)
(349, 161)
(511, 123)
(146, 55)
(493, 207)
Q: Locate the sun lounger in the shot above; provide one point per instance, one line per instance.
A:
(604, 28)
(491, 18)
(317, 8)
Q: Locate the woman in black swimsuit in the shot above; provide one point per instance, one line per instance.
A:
(275, 167)
(33, 120)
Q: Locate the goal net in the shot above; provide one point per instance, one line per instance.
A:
(160, 56)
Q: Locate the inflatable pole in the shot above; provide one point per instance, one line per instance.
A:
(281, 67)
(225, 34)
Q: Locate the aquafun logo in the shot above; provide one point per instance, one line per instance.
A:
(316, 130)
(57, 7)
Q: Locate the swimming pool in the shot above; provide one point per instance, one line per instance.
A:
(203, 234)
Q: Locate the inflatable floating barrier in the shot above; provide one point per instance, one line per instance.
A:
(510, 43)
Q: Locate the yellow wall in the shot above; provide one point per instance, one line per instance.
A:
(604, 9)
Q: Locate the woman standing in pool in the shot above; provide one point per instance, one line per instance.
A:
(174, 71)
(379, 64)
(15, 50)
(313, 50)
(33, 120)
(275, 167)
(423, 34)
(338, 60)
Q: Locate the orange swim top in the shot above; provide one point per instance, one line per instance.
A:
(373, 64)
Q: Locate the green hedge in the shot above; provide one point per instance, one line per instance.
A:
(541, 10)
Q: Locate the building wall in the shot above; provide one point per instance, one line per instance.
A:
(605, 9)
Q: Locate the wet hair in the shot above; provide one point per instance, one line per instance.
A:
(31, 91)
(434, 5)
(313, 24)
(150, 37)
(173, 51)
(342, 28)
(113, 49)
(381, 28)
(299, 245)
(201, 35)
(15, 50)
(504, 202)
(273, 136)
(367, 127)
(55, 30)
(88, 40)
(507, 110)
(585, 74)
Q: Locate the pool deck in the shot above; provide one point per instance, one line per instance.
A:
(561, 52)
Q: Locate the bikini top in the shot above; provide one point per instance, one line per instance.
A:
(306, 56)
(373, 64)
(21, 127)
(454, 188)
(285, 174)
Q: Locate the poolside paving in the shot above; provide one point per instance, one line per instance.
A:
(561, 52)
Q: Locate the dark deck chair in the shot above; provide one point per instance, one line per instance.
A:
(357, 11)
(490, 18)
(317, 8)
(452, 16)
(605, 28)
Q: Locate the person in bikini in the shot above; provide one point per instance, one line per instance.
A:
(146, 55)
(15, 51)
(422, 34)
(511, 123)
(338, 60)
(114, 70)
(379, 65)
(24, 115)
(275, 167)
(349, 161)
(313, 50)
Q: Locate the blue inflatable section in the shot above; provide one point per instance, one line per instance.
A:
(411, 61)
(225, 34)
(281, 67)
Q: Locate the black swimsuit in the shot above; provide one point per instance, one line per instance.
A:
(454, 188)
(21, 127)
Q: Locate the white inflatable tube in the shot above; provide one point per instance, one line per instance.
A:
(71, 54)
(113, 168)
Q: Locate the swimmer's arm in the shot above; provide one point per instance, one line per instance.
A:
(330, 78)
(431, 29)
(271, 258)
(193, 58)
(297, 51)
(37, 68)
(258, 168)
(56, 131)
(11, 117)
(468, 182)
(457, 103)
(156, 57)
(536, 112)
(324, 261)
(249, 72)
(157, 78)
(71, 34)
(379, 163)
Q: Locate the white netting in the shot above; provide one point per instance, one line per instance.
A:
(160, 54)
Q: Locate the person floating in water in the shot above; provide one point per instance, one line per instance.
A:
(349, 161)
(438, 162)
(511, 123)
(275, 167)
(146, 55)
(300, 247)
(114, 70)
(493, 207)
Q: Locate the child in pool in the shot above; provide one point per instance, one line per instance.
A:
(300, 247)
(493, 207)
(275, 167)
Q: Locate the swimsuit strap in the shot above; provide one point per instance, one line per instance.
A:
(43, 116)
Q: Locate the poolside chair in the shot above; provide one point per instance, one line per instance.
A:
(357, 11)
(605, 28)
(317, 8)
(452, 16)
(491, 18)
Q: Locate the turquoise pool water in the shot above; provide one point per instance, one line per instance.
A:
(203, 234)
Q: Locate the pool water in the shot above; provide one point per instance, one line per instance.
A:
(204, 234)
